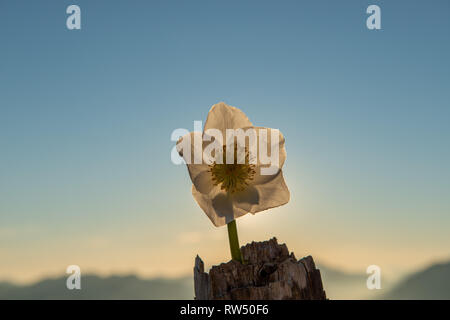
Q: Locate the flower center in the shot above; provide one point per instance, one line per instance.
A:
(232, 177)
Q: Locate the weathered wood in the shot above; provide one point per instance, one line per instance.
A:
(201, 280)
(269, 272)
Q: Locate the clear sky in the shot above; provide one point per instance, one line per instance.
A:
(86, 118)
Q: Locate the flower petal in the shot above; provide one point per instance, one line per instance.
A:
(199, 173)
(203, 182)
(270, 195)
(265, 139)
(222, 117)
(218, 206)
(246, 199)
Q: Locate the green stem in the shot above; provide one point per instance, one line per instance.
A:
(234, 241)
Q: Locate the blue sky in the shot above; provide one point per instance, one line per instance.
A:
(86, 118)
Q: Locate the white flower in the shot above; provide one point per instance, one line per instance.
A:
(228, 191)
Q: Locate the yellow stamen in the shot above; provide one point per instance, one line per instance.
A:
(232, 177)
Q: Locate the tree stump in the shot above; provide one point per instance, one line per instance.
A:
(269, 272)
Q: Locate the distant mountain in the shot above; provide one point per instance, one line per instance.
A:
(95, 287)
(431, 283)
(338, 285)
